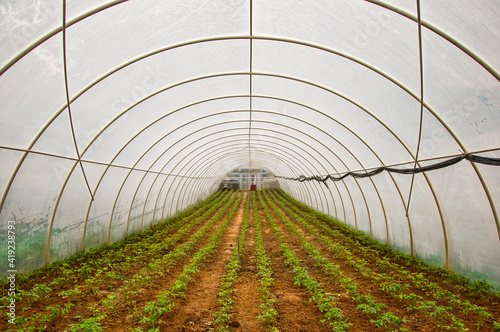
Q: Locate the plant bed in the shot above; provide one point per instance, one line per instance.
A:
(242, 261)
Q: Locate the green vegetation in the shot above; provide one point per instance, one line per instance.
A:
(226, 287)
(325, 301)
(328, 261)
(265, 272)
(166, 300)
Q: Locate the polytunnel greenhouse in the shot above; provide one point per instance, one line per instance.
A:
(124, 122)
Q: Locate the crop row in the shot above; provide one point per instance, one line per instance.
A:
(344, 273)
(265, 273)
(226, 287)
(98, 273)
(326, 302)
(166, 300)
(392, 278)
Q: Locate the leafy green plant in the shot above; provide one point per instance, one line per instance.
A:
(265, 272)
(165, 301)
(396, 280)
(87, 325)
(226, 290)
(325, 301)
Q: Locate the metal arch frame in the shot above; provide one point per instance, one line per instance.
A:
(238, 161)
(183, 159)
(114, 159)
(153, 145)
(216, 158)
(177, 128)
(208, 168)
(158, 120)
(201, 138)
(193, 189)
(305, 44)
(233, 38)
(326, 159)
(345, 165)
(294, 188)
(340, 159)
(375, 154)
(59, 29)
(128, 109)
(213, 99)
(297, 159)
(439, 32)
(114, 206)
(278, 132)
(215, 114)
(311, 45)
(382, 4)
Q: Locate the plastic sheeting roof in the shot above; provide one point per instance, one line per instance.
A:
(117, 114)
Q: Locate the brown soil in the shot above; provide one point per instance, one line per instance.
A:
(295, 313)
(246, 299)
(195, 312)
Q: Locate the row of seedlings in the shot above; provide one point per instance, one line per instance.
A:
(95, 270)
(165, 301)
(268, 298)
(326, 302)
(138, 283)
(393, 279)
(367, 303)
(158, 267)
(226, 287)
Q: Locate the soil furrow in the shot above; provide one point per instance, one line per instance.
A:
(128, 310)
(246, 298)
(176, 283)
(194, 312)
(295, 312)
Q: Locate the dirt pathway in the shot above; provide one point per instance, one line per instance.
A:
(194, 312)
(247, 297)
(123, 313)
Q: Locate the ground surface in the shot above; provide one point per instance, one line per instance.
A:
(373, 289)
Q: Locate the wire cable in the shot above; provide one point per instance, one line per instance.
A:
(68, 100)
(419, 22)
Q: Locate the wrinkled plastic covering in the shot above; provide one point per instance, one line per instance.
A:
(167, 97)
